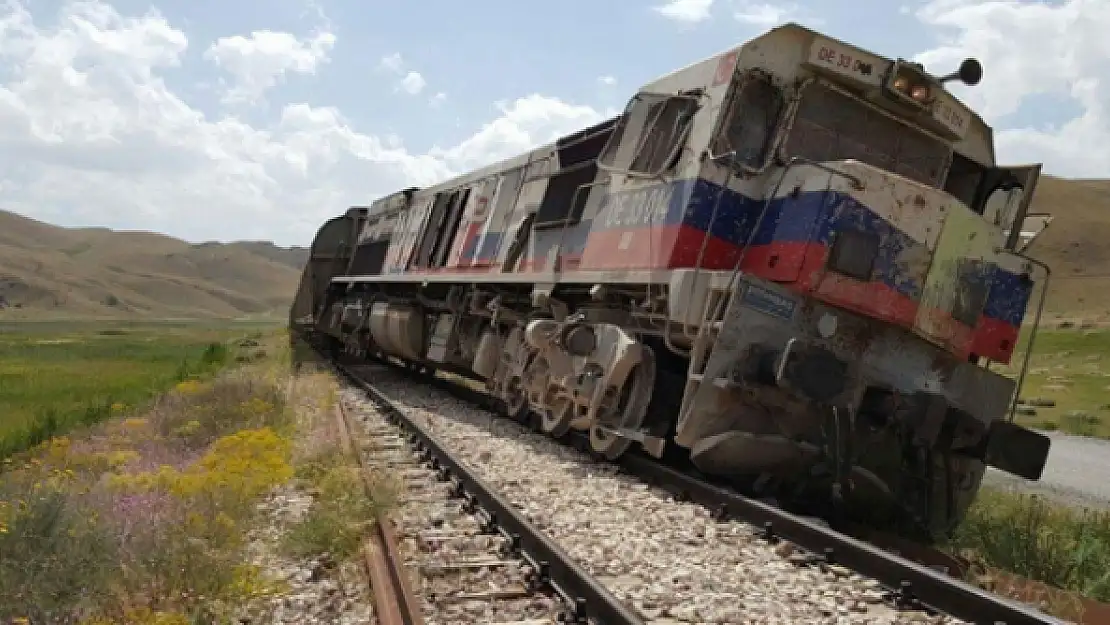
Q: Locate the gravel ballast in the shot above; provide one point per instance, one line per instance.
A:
(669, 560)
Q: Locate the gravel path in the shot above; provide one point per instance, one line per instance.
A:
(670, 561)
(1077, 472)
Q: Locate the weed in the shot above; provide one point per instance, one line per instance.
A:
(53, 553)
(340, 516)
(1025, 535)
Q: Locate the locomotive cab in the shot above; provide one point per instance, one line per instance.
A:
(878, 267)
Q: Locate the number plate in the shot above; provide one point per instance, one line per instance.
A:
(846, 61)
(951, 114)
(768, 302)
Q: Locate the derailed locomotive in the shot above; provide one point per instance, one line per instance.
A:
(794, 262)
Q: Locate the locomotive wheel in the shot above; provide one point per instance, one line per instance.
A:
(625, 407)
(555, 420)
(516, 402)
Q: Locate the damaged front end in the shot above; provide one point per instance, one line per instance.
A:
(823, 406)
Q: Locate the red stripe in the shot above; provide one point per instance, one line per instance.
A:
(799, 265)
(995, 339)
(644, 248)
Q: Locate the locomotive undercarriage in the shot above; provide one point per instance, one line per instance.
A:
(791, 419)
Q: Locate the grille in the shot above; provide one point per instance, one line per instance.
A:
(834, 126)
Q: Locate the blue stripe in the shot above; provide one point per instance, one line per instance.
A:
(1009, 296)
(809, 216)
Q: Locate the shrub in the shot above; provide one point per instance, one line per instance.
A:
(1028, 536)
(54, 554)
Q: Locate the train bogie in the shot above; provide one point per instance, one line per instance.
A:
(793, 261)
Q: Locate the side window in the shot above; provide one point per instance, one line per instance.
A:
(753, 114)
(653, 127)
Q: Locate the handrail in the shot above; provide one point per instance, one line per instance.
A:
(1036, 324)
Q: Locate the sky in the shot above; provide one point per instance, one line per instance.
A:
(260, 119)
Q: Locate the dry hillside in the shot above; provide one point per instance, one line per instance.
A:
(1076, 245)
(49, 270)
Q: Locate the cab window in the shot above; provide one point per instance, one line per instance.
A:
(753, 115)
(650, 133)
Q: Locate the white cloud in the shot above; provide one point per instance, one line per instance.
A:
(413, 83)
(260, 61)
(526, 122)
(766, 15)
(437, 100)
(393, 63)
(90, 133)
(685, 11)
(608, 81)
(1031, 49)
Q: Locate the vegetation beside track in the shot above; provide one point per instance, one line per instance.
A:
(56, 376)
(341, 515)
(142, 518)
(1010, 533)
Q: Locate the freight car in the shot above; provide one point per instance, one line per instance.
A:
(795, 262)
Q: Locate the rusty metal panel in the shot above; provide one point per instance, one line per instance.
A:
(957, 286)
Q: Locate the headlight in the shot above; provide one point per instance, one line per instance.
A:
(909, 83)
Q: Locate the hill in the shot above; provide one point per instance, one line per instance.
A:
(1076, 245)
(47, 270)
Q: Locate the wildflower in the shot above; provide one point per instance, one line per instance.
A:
(188, 387)
(187, 429)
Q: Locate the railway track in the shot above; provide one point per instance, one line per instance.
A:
(459, 553)
(860, 582)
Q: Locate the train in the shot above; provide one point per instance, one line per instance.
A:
(795, 264)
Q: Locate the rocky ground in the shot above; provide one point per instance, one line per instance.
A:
(315, 591)
(668, 560)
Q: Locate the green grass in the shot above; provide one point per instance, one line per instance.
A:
(1070, 367)
(55, 376)
(1028, 536)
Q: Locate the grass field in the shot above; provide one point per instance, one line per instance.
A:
(146, 518)
(1070, 369)
(58, 375)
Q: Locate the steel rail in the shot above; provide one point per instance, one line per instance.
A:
(394, 601)
(911, 584)
(586, 597)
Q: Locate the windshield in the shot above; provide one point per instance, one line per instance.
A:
(831, 126)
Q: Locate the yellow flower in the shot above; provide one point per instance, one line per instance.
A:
(134, 423)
